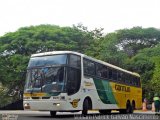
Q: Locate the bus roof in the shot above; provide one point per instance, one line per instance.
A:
(85, 56)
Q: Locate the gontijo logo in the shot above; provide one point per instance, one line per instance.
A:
(122, 88)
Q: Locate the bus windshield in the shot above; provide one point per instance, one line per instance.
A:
(47, 60)
(46, 74)
(54, 74)
(46, 79)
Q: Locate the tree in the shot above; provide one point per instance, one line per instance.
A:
(156, 75)
(136, 49)
(137, 38)
(146, 63)
(16, 47)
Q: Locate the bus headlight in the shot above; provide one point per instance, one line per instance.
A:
(58, 104)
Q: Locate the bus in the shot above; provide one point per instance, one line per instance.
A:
(68, 81)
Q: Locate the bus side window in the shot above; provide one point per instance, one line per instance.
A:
(110, 73)
(132, 80)
(73, 80)
(127, 78)
(105, 72)
(101, 71)
(137, 79)
(89, 67)
(123, 77)
(114, 75)
(120, 74)
(75, 61)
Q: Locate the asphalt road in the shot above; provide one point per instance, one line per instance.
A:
(93, 115)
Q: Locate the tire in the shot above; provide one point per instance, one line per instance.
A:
(129, 109)
(105, 112)
(133, 105)
(53, 113)
(85, 107)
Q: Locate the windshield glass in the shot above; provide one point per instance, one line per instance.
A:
(47, 60)
(46, 79)
(54, 74)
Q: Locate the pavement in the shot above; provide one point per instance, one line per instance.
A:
(47, 112)
(45, 115)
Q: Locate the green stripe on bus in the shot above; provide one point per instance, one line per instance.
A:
(105, 91)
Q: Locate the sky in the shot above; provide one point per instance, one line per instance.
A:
(108, 14)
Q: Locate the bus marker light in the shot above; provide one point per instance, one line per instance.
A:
(57, 104)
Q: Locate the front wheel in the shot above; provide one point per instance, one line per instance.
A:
(85, 107)
(53, 113)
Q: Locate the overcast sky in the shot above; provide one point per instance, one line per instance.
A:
(108, 14)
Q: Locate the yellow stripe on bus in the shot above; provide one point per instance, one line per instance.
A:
(34, 94)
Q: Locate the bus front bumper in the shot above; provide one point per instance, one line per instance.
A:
(47, 105)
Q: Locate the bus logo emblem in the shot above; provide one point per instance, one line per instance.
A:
(75, 103)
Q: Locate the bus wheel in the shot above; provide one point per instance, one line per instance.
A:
(105, 112)
(133, 105)
(53, 113)
(85, 107)
(129, 108)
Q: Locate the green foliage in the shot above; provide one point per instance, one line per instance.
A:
(147, 64)
(136, 49)
(4, 98)
(137, 38)
(156, 76)
(17, 47)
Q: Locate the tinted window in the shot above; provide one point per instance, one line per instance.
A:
(120, 76)
(127, 78)
(114, 74)
(75, 61)
(73, 80)
(137, 81)
(47, 60)
(110, 73)
(89, 67)
(131, 80)
(123, 77)
(101, 71)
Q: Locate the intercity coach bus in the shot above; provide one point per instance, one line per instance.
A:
(61, 81)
